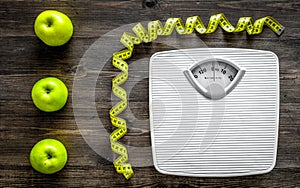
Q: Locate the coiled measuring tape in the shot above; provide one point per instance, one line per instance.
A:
(155, 28)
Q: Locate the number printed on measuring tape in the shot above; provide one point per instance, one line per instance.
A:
(155, 29)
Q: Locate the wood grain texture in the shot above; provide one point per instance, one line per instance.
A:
(24, 59)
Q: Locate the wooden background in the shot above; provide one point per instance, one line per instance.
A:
(24, 59)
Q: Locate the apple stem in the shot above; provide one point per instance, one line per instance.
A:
(50, 22)
(49, 156)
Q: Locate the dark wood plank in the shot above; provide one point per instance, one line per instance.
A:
(24, 59)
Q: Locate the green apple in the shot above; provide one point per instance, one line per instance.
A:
(49, 94)
(48, 156)
(53, 28)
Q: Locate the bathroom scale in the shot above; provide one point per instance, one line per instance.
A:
(214, 112)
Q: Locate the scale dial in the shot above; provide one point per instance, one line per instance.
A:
(214, 78)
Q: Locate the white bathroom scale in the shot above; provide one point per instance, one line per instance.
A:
(214, 112)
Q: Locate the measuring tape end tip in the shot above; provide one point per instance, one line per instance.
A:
(280, 31)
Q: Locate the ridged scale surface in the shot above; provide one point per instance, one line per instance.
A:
(195, 136)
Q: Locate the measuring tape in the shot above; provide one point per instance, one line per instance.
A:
(155, 28)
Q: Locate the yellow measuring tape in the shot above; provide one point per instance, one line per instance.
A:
(155, 28)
